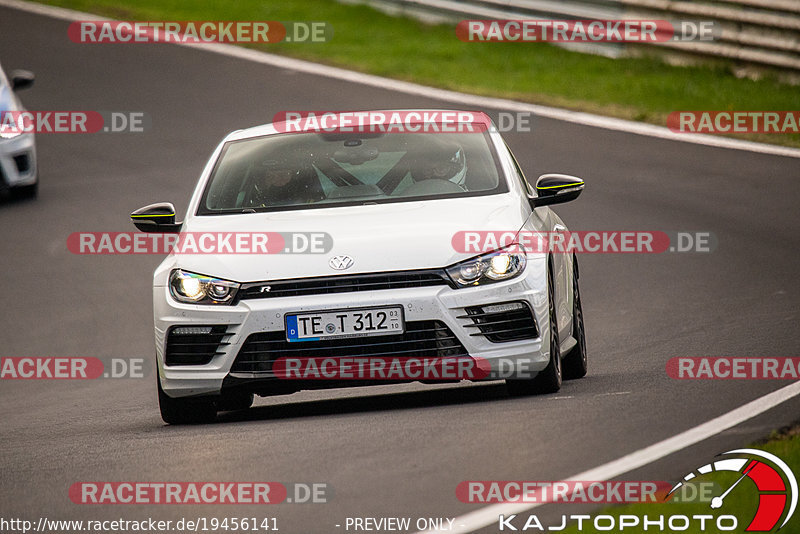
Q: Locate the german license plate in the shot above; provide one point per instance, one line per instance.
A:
(345, 323)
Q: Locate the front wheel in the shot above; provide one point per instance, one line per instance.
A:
(575, 361)
(26, 191)
(548, 380)
(185, 411)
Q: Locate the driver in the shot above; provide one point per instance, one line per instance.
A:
(281, 184)
(442, 161)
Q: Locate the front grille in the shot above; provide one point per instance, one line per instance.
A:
(194, 345)
(422, 339)
(506, 321)
(343, 284)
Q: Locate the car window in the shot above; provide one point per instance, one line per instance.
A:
(308, 170)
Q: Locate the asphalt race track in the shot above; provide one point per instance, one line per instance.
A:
(389, 451)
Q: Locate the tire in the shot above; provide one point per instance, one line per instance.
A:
(235, 400)
(548, 380)
(185, 411)
(26, 191)
(575, 361)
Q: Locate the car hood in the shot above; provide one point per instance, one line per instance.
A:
(378, 237)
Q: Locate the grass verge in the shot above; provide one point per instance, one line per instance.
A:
(741, 502)
(643, 89)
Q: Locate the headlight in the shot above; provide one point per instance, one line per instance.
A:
(10, 126)
(7, 132)
(493, 267)
(198, 289)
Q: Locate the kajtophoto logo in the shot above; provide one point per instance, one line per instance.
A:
(774, 481)
(729, 488)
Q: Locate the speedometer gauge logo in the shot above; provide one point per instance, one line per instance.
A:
(774, 481)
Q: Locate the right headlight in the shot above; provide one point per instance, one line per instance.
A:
(9, 115)
(7, 130)
(497, 266)
(199, 289)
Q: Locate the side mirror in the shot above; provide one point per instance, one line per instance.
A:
(21, 79)
(556, 189)
(156, 218)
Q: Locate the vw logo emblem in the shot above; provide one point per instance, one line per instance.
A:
(340, 263)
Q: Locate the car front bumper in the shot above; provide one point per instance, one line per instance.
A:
(519, 359)
(18, 161)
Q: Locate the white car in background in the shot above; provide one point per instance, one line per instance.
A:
(18, 170)
(391, 203)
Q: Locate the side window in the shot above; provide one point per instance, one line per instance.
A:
(520, 174)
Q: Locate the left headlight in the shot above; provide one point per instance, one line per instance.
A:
(199, 289)
(497, 266)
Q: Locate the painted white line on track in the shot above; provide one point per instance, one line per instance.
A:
(480, 102)
(488, 515)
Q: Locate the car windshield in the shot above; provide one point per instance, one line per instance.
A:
(5, 93)
(315, 170)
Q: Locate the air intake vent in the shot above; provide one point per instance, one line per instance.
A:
(23, 163)
(194, 345)
(506, 321)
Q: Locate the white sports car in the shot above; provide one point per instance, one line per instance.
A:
(18, 171)
(387, 282)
